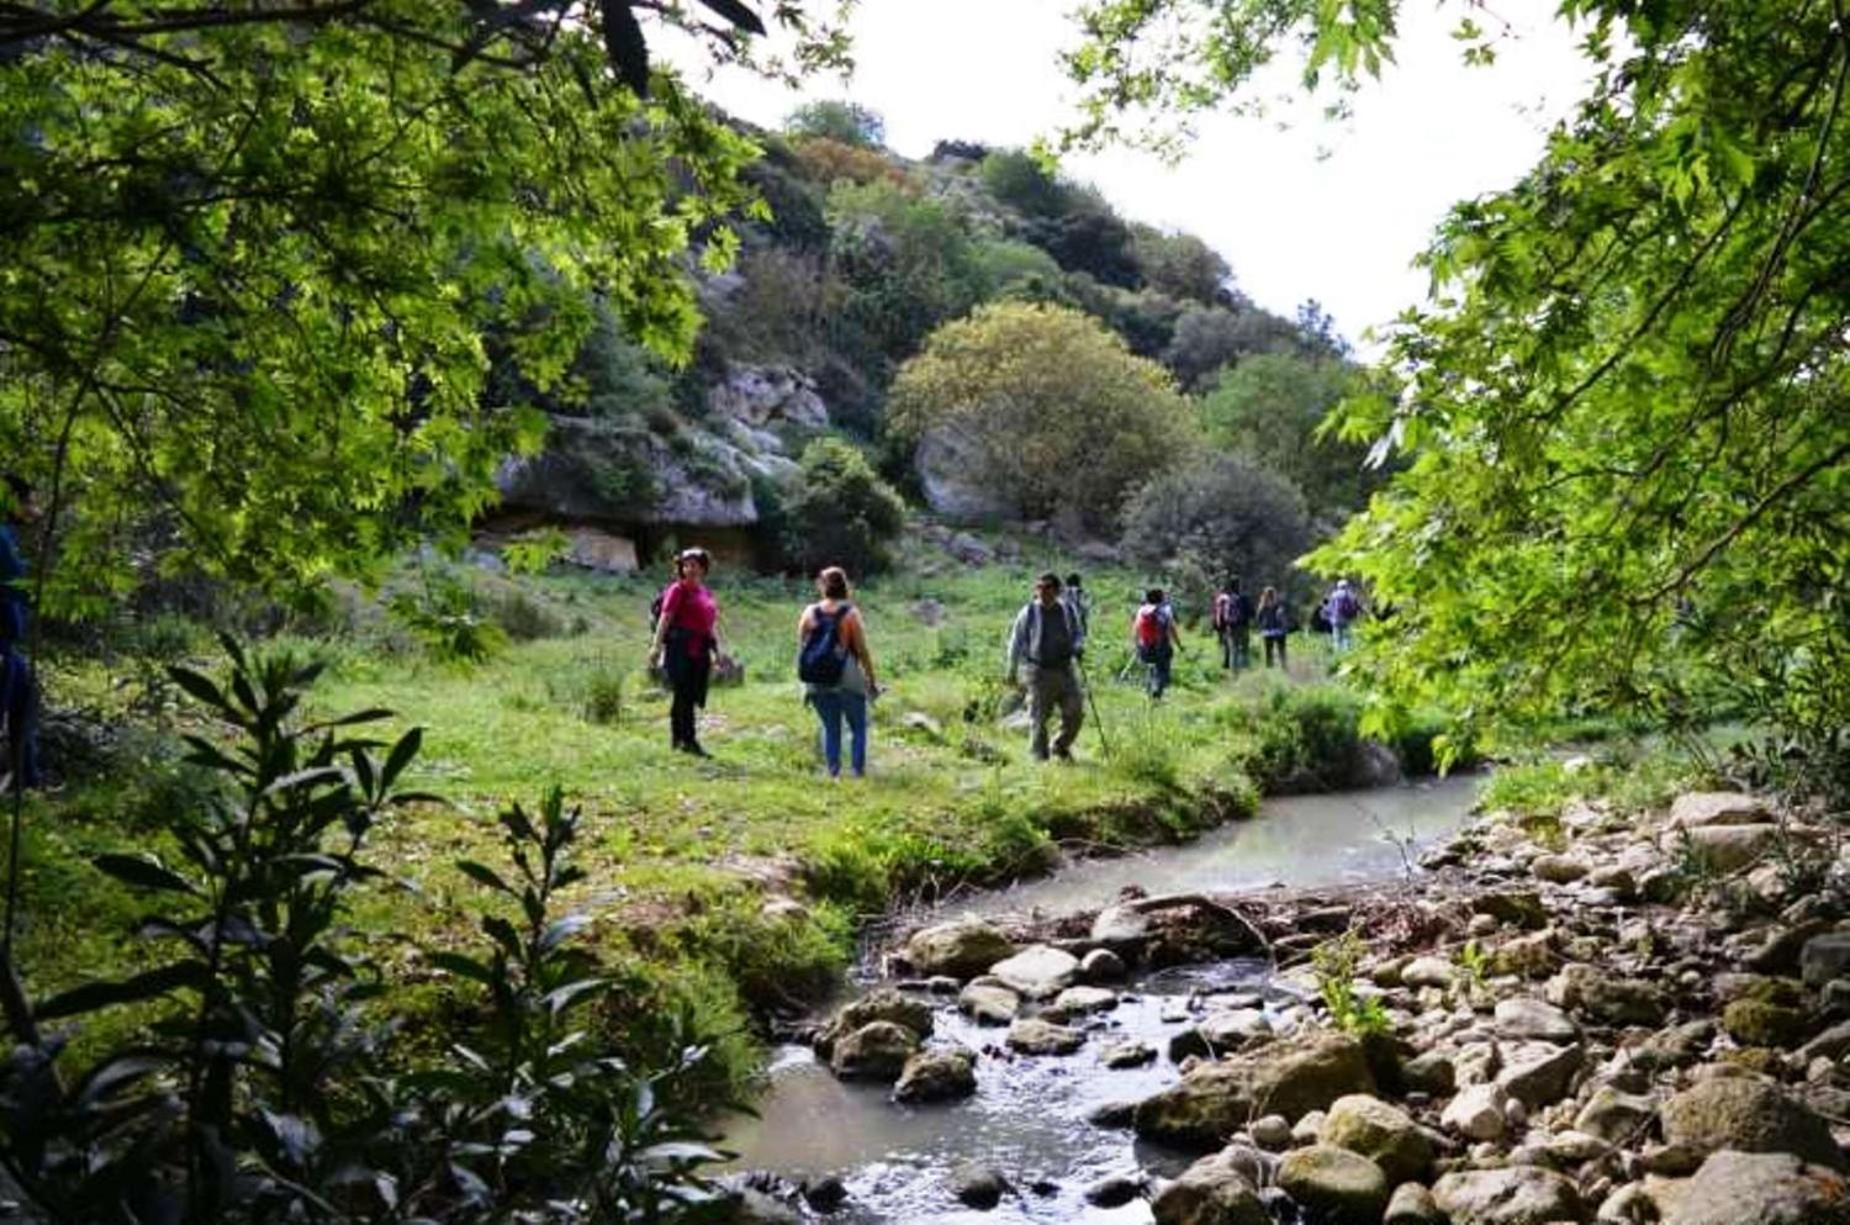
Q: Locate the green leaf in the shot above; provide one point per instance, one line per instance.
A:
(144, 871)
(151, 984)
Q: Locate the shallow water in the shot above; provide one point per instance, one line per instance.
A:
(1027, 1118)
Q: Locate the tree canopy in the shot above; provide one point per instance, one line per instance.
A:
(1625, 405)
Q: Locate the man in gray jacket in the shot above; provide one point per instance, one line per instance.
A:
(1048, 637)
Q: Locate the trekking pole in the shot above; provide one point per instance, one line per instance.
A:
(1085, 679)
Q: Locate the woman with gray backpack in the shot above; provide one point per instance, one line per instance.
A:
(837, 670)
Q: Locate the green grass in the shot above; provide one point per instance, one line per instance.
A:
(683, 855)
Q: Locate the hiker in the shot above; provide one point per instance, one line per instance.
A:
(1233, 622)
(1274, 622)
(686, 642)
(836, 669)
(1079, 601)
(1156, 638)
(1341, 609)
(1048, 637)
(19, 699)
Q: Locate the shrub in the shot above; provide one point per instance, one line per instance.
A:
(1048, 409)
(826, 160)
(1181, 266)
(1224, 515)
(446, 618)
(847, 123)
(1307, 740)
(604, 694)
(840, 512)
(522, 617)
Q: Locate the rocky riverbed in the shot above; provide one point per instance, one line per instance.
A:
(1600, 1017)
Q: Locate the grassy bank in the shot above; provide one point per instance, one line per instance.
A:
(719, 889)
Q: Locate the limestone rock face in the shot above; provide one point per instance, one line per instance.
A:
(1213, 1191)
(1748, 1115)
(1291, 1077)
(962, 949)
(1335, 1185)
(1519, 1195)
(1764, 1188)
(1382, 1133)
(768, 396)
(944, 464)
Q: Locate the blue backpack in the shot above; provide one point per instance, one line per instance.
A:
(824, 657)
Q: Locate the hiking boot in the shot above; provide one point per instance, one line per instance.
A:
(1065, 755)
(692, 748)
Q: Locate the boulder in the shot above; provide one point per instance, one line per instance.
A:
(1519, 1195)
(1749, 1115)
(988, 1003)
(1213, 1191)
(1833, 1044)
(1735, 1188)
(1217, 1033)
(1428, 972)
(1335, 1185)
(880, 1004)
(1560, 869)
(1824, 958)
(962, 949)
(1128, 1055)
(766, 396)
(1382, 1133)
(1615, 1117)
(1121, 927)
(1033, 1036)
(602, 551)
(1038, 972)
(940, 1074)
(1606, 997)
(1527, 956)
(1753, 1022)
(1729, 848)
(1538, 1074)
(1430, 1072)
(1101, 966)
(1271, 1133)
(876, 1051)
(1078, 1001)
(1701, 808)
(1476, 1113)
(1113, 1191)
(1412, 1204)
(1516, 907)
(1290, 1077)
(978, 1186)
(1521, 1018)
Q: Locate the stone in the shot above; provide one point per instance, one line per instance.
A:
(1749, 1115)
(938, 1074)
(880, 1004)
(1101, 966)
(1033, 1036)
(1629, 1205)
(1527, 956)
(1121, 928)
(1335, 1185)
(1606, 997)
(763, 396)
(978, 1186)
(1272, 1132)
(962, 949)
(1520, 1017)
(1213, 1191)
(1615, 877)
(601, 551)
(1079, 1001)
(1779, 953)
(1519, 1195)
(1729, 848)
(825, 1193)
(876, 1051)
(1833, 1044)
(1114, 1191)
(919, 721)
(1560, 869)
(1430, 1072)
(750, 1206)
(1516, 907)
(1112, 1114)
(1572, 1147)
(1382, 1133)
(1218, 1033)
(1291, 1077)
(1428, 972)
(1700, 808)
(1735, 1188)
(1759, 1023)
(1476, 1113)
(1538, 1074)
(1038, 972)
(1676, 1047)
(1412, 1204)
(1128, 1055)
(988, 1003)
(1824, 958)
(1615, 1117)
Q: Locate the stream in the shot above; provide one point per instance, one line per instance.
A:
(1028, 1116)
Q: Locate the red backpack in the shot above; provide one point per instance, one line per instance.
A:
(1152, 626)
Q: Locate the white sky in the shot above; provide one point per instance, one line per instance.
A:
(1316, 210)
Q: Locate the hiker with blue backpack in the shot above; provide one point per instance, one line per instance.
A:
(1342, 609)
(1156, 639)
(837, 670)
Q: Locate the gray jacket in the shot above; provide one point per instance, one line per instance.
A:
(1025, 635)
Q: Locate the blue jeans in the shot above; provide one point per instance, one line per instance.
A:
(1342, 636)
(19, 711)
(832, 706)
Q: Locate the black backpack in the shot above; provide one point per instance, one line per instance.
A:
(824, 657)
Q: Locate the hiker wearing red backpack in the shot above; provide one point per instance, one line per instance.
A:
(837, 669)
(1154, 633)
(686, 642)
(1233, 623)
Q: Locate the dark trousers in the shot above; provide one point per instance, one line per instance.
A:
(688, 680)
(19, 707)
(1275, 646)
(1157, 662)
(1236, 647)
